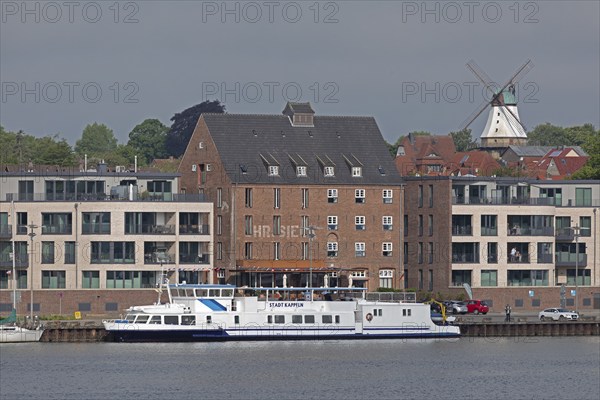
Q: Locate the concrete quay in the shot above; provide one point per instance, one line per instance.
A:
(490, 325)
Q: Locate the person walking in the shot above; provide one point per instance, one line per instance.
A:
(507, 311)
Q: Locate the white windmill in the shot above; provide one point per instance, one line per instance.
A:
(503, 127)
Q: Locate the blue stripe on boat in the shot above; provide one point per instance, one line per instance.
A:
(213, 304)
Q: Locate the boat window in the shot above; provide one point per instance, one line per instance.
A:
(201, 292)
(327, 319)
(377, 312)
(155, 319)
(296, 319)
(142, 319)
(188, 320)
(236, 319)
(269, 319)
(130, 317)
(213, 293)
(180, 292)
(208, 319)
(171, 320)
(337, 319)
(280, 319)
(189, 292)
(227, 292)
(406, 312)
(309, 319)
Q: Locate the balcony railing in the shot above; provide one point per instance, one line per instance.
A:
(527, 231)
(166, 197)
(22, 260)
(564, 259)
(528, 201)
(465, 258)
(194, 229)
(489, 231)
(545, 258)
(159, 258)
(519, 259)
(5, 231)
(96, 228)
(458, 230)
(565, 234)
(150, 229)
(194, 259)
(63, 229)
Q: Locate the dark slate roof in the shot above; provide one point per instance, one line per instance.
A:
(241, 139)
(530, 151)
(302, 108)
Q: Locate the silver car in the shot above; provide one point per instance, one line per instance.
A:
(456, 307)
(558, 314)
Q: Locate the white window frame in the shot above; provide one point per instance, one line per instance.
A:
(386, 278)
(332, 195)
(332, 249)
(301, 170)
(356, 172)
(387, 249)
(360, 196)
(273, 170)
(359, 222)
(221, 273)
(276, 197)
(332, 222)
(304, 198)
(358, 274)
(219, 197)
(387, 222)
(276, 251)
(304, 224)
(388, 196)
(359, 249)
(329, 171)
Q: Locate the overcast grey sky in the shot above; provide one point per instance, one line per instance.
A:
(402, 62)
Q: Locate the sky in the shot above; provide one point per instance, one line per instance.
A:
(64, 65)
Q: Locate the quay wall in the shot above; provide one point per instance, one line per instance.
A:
(93, 331)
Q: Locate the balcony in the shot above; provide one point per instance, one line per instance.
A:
(528, 231)
(519, 259)
(464, 230)
(194, 259)
(5, 231)
(465, 258)
(194, 229)
(58, 229)
(149, 229)
(528, 201)
(163, 197)
(96, 228)
(545, 259)
(565, 234)
(159, 257)
(489, 231)
(21, 261)
(564, 259)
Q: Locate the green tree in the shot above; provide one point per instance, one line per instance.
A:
(463, 140)
(20, 148)
(184, 124)
(591, 170)
(122, 155)
(547, 135)
(148, 139)
(50, 150)
(97, 140)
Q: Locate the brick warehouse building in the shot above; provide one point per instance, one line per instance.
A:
(298, 196)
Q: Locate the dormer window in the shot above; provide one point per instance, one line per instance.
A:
(329, 171)
(356, 172)
(301, 170)
(273, 170)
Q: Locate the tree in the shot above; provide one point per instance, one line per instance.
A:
(184, 123)
(547, 135)
(51, 150)
(591, 170)
(97, 140)
(148, 140)
(463, 140)
(20, 148)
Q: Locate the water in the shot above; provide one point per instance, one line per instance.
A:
(492, 368)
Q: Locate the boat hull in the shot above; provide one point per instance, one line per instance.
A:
(123, 334)
(20, 335)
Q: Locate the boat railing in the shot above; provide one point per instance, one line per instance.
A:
(392, 297)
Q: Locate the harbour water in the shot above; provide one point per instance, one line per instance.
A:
(467, 368)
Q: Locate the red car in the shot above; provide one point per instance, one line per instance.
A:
(477, 307)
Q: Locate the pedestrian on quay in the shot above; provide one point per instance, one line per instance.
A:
(507, 311)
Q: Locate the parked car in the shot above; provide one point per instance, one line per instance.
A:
(477, 307)
(558, 314)
(455, 307)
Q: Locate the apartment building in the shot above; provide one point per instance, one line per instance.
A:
(97, 241)
(528, 243)
(300, 199)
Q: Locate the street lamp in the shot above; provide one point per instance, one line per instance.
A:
(311, 236)
(31, 235)
(576, 230)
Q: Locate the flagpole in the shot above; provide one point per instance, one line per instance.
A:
(14, 257)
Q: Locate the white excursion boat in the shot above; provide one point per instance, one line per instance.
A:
(225, 312)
